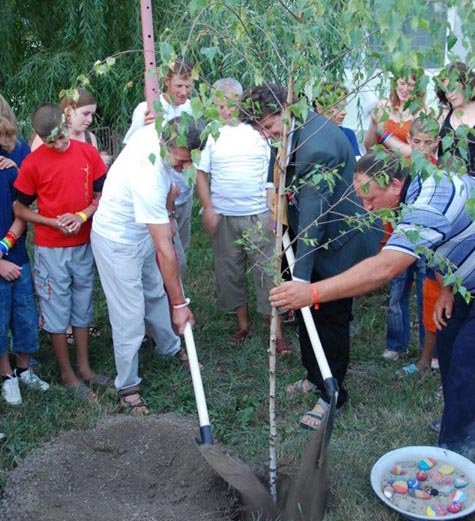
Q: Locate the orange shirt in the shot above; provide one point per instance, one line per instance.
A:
(399, 129)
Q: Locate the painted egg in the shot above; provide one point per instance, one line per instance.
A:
(397, 470)
(435, 510)
(460, 483)
(426, 463)
(458, 496)
(419, 494)
(388, 492)
(447, 480)
(421, 475)
(455, 507)
(446, 470)
(413, 483)
(400, 486)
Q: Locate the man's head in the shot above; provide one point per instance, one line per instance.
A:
(178, 82)
(181, 136)
(332, 102)
(49, 122)
(424, 135)
(226, 95)
(262, 107)
(379, 181)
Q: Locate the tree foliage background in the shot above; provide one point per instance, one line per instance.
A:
(48, 44)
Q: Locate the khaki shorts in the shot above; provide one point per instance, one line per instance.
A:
(233, 261)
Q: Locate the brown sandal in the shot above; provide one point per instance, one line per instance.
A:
(136, 407)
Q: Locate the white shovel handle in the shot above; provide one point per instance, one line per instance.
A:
(196, 377)
(307, 316)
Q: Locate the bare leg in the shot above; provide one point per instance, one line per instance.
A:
(81, 339)
(243, 317)
(23, 361)
(60, 346)
(428, 350)
(5, 367)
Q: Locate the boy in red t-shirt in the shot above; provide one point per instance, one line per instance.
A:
(65, 177)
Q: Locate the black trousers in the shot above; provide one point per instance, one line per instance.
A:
(332, 321)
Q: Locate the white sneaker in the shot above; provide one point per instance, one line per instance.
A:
(434, 363)
(11, 391)
(391, 355)
(31, 380)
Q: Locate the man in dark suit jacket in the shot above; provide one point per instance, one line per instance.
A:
(321, 197)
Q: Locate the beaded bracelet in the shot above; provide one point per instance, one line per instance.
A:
(7, 243)
(83, 216)
(182, 305)
(316, 304)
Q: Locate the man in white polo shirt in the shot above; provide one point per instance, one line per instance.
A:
(231, 185)
(131, 228)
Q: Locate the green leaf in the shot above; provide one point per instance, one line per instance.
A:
(451, 41)
(152, 158)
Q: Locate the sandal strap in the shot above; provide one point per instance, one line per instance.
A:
(129, 391)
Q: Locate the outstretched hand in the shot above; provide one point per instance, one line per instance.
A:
(292, 295)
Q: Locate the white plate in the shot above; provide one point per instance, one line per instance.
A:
(386, 462)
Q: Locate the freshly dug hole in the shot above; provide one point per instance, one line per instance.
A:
(125, 469)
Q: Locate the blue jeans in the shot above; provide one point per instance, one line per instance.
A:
(398, 333)
(456, 353)
(18, 314)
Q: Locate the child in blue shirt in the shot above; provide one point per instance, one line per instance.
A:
(17, 306)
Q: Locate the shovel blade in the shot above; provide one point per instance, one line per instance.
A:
(240, 476)
(308, 495)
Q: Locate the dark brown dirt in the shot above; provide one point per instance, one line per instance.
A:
(126, 469)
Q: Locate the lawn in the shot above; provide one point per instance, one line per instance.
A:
(383, 412)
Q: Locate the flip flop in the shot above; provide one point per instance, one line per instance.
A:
(301, 386)
(407, 370)
(99, 379)
(83, 391)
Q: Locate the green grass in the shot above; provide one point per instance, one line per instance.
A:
(383, 412)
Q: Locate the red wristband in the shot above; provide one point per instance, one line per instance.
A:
(316, 304)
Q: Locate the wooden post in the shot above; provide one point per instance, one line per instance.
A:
(151, 79)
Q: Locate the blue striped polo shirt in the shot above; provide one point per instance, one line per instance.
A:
(434, 215)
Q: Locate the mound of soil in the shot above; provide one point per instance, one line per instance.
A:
(126, 469)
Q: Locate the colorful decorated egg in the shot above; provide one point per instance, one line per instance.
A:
(459, 496)
(426, 463)
(460, 483)
(400, 486)
(413, 483)
(436, 510)
(455, 507)
(422, 475)
(446, 470)
(419, 494)
(397, 470)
